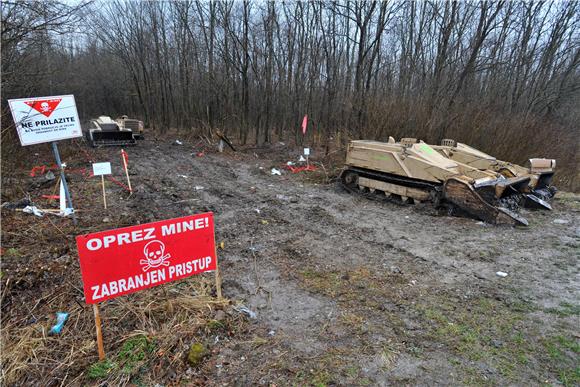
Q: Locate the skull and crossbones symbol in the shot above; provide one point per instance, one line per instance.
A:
(155, 256)
(44, 107)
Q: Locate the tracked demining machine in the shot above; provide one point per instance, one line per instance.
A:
(540, 171)
(411, 170)
(103, 131)
(136, 126)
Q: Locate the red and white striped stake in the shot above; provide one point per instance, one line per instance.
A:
(125, 158)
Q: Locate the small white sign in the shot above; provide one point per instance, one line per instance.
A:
(306, 151)
(101, 169)
(45, 119)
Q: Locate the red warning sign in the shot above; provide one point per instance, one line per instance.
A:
(126, 260)
(44, 106)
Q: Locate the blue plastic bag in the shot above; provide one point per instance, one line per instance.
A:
(61, 318)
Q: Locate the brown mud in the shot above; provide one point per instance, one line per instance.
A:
(346, 291)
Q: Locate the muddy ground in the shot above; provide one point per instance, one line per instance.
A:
(346, 290)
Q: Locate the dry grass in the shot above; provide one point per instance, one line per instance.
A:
(171, 317)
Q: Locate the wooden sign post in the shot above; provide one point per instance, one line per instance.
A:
(218, 277)
(102, 169)
(125, 158)
(104, 192)
(100, 346)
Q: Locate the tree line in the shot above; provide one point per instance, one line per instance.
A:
(500, 75)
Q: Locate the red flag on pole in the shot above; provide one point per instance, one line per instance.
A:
(125, 157)
(304, 124)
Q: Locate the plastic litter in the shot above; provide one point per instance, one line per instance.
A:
(177, 142)
(49, 176)
(198, 188)
(243, 309)
(276, 172)
(501, 274)
(19, 204)
(61, 318)
(301, 159)
(560, 221)
(66, 212)
(33, 210)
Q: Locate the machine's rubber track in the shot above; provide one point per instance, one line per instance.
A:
(390, 178)
(474, 206)
(433, 189)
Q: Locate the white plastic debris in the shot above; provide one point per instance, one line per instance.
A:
(560, 221)
(276, 172)
(245, 310)
(198, 188)
(33, 210)
(257, 210)
(66, 212)
(290, 163)
(177, 142)
(271, 333)
(501, 274)
(185, 177)
(301, 159)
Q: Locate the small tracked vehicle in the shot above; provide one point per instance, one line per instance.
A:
(103, 131)
(411, 170)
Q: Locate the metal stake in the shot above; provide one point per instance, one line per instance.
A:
(63, 179)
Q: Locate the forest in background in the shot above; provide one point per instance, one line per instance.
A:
(502, 76)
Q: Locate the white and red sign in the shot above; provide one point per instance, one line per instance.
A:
(45, 119)
(126, 260)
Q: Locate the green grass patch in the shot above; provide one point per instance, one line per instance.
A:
(131, 357)
(487, 331)
(12, 252)
(134, 352)
(101, 369)
(569, 377)
(565, 310)
(482, 331)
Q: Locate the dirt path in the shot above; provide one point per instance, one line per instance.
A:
(330, 273)
(350, 291)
